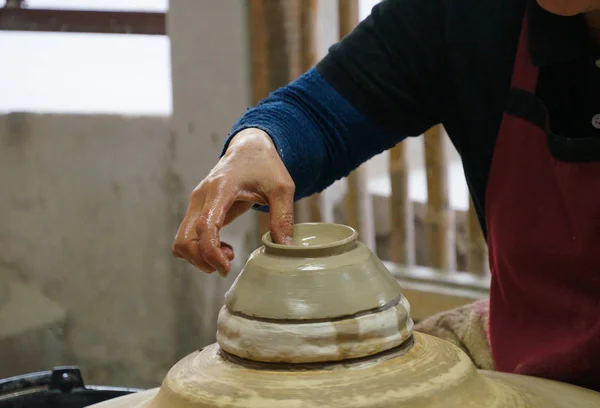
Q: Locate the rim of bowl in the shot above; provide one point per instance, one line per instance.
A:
(352, 236)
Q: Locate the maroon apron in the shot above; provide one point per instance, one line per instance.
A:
(543, 222)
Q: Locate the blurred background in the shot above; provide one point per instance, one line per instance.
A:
(111, 112)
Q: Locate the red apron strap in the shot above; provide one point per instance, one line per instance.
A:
(525, 74)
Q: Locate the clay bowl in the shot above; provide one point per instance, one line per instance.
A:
(326, 274)
(325, 298)
(322, 323)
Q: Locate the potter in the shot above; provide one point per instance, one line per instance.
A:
(515, 83)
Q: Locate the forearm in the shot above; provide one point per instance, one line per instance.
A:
(318, 134)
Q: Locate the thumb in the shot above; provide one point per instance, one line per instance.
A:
(281, 208)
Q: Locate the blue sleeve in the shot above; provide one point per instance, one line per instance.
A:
(318, 134)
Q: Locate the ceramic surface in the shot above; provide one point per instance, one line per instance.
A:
(325, 298)
(308, 342)
(323, 324)
(430, 374)
(327, 273)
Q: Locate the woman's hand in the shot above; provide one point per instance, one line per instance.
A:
(250, 172)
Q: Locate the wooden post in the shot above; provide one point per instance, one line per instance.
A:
(308, 34)
(437, 217)
(309, 209)
(357, 204)
(348, 16)
(259, 40)
(259, 67)
(348, 19)
(308, 60)
(400, 214)
(275, 52)
(477, 252)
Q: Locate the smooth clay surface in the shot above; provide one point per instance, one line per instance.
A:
(323, 324)
(306, 342)
(326, 274)
(432, 374)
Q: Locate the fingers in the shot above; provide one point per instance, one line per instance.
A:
(227, 251)
(189, 253)
(186, 247)
(251, 173)
(198, 240)
(207, 228)
(238, 208)
(281, 207)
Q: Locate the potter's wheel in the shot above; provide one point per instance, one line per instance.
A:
(324, 324)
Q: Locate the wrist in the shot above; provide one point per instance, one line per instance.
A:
(250, 137)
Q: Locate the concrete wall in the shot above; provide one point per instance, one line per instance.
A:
(211, 89)
(88, 209)
(85, 217)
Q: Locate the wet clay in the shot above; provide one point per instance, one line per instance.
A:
(323, 324)
(326, 274)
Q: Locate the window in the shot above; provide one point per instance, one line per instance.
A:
(86, 73)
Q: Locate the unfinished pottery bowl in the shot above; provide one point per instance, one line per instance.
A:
(322, 323)
(325, 298)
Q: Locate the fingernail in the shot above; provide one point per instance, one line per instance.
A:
(224, 271)
(288, 241)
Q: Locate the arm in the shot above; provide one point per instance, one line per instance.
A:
(319, 136)
(376, 87)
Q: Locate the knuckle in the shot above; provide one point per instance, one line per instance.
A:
(178, 249)
(199, 190)
(203, 267)
(202, 223)
(210, 255)
(285, 186)
(209, 183)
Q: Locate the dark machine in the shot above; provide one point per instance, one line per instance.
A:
(62, 387)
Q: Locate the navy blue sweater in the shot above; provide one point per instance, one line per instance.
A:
(318, 134)
(413, 64)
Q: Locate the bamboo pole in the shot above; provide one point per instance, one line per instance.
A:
(259, 40)
(309, 209)
(437, 217)
(348, 16)
(400, 214)
(274, 45)
(259, 67)
(308, 34)
(358, 206)
(308, 60)
(348, 19)
(477, 252)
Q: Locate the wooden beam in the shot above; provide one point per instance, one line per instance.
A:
(280, 49)
(259, 41)
(348, 16)
(357, 180)
(82, 21)
(399, 207)
(308, 57)
(437, 218)
(308, 34)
